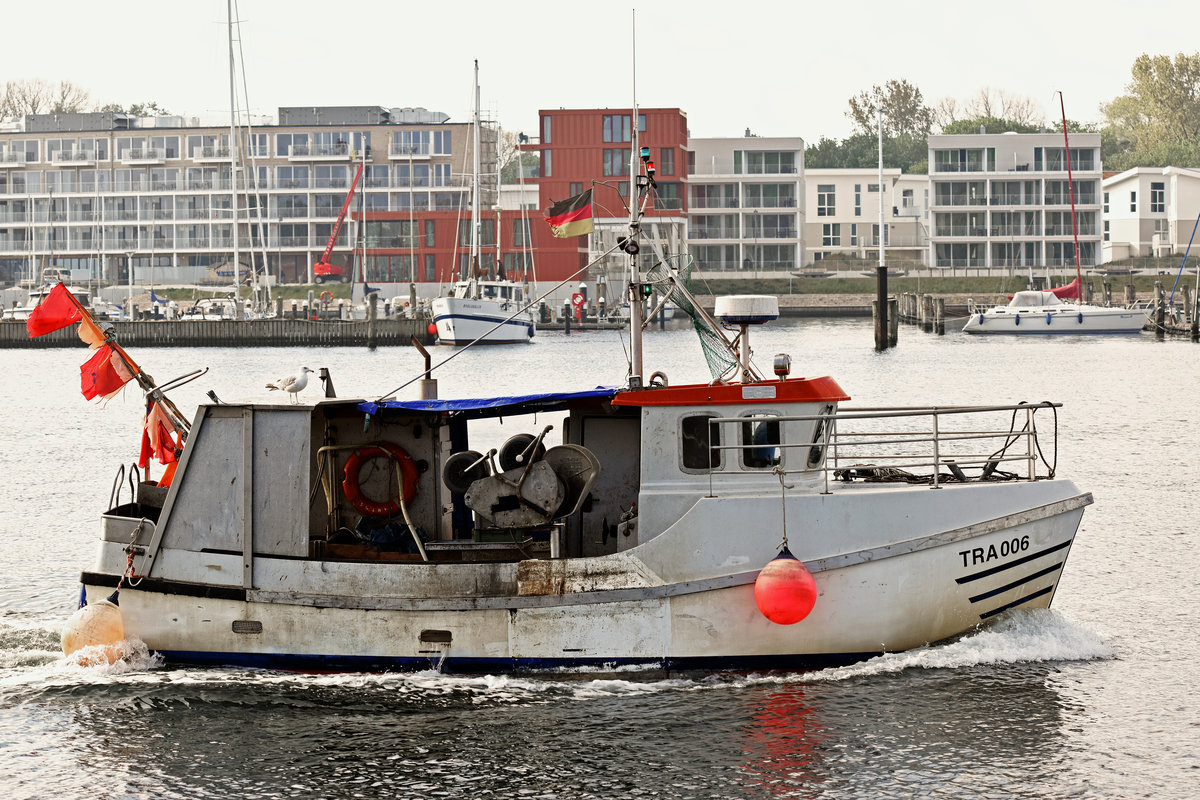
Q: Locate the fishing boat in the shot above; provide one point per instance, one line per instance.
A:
(477, 309)
(1035, 312)
(748, 522)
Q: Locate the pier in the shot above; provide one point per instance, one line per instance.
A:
(277, 332)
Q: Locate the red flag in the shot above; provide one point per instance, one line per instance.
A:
(58, 309)
(159, 430)
(103, 374)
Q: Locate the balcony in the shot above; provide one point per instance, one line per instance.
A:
(400, 152)
(12, 159)
(211, 154)
(79, 158)
(143, 156)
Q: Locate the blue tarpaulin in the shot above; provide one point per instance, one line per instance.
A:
(491, 406)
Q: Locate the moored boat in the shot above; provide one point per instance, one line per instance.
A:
(1035, 312)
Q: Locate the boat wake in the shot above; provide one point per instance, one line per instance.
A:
(1017, 637)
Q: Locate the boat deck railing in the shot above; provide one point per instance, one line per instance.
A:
(934, 446)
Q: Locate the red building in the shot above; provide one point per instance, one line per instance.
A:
(579, 149)
(590, 149)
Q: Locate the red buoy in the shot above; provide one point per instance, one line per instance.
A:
(432, 329)
(784, 590)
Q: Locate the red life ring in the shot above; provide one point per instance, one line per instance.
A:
(326, 299)
(353, 489)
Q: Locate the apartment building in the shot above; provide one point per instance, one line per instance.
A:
(103, 193)
(746, 205)
(843, 221)
(1004, 200)
(1149, 211)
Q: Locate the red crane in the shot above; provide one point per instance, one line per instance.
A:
(323, 270)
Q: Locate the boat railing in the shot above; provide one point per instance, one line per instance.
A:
(935, 445)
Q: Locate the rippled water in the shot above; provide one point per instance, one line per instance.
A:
(1091, 699)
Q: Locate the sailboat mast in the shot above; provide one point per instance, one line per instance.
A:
(1071, 187)
(635, 278)
(237, 271)
(475, 219)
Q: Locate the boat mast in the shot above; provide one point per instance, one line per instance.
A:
(473, 261)
(1071, 187)
(237, 272)
(635, 289)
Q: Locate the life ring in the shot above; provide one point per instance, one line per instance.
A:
(326, 299)
(352, 488)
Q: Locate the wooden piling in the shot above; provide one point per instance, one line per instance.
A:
(1160, 313)
(372, 303)
(1108, 293)
(939, 316)
(893, 321)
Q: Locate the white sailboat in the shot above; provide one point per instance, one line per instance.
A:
(480, 310)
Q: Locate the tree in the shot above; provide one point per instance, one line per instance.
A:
(513, 160)
(861, 151)
(989, 124)
(1002, 105)
(150, 109)
(1163, 102)
(904, 110)
(36, 96)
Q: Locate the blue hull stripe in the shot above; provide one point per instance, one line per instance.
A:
(295, 662)
(487, 320)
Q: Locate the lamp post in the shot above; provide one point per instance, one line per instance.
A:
(129, 269)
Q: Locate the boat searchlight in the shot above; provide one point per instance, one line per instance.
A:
(745, 310)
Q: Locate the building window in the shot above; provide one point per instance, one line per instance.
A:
(1158, 198)
(430, 267)
(825, 200)
(667, 197)
(441, 143)
(1162, 230)
(857, 203)
(617, 129)
(576, 188)
(616, 161)
(441, 174)
(831, 234)
(1106, 202)
(546, 164)
(521, 232)
(1133, 201)
(546, 130)
(853, 235)
(667, 167)
(1106, 230)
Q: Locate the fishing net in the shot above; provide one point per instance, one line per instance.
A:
(671, 279)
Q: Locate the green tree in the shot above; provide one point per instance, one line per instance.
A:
(904, 110)
(861, 151)
(990, 125)
(1162, 104)
(150, 109)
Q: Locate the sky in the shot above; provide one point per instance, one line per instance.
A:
(777, 68)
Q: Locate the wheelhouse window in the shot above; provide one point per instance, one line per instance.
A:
(760, 442)
(700, 443)
(816, 451)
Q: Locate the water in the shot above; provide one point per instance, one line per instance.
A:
(1094, 698)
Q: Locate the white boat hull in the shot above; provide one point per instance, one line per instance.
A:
(461, 320)
(889, 583)
(1058, 319)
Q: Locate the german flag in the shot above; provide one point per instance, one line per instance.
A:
(571, 217)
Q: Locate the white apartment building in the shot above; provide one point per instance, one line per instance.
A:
(746, 204)
(1150, 211)
(1003, 200)
(843, 220)
(104, 193)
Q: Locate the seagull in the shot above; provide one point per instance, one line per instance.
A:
(292, 383)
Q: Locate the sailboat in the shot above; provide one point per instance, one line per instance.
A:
(478, 309)
(1043, 312)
